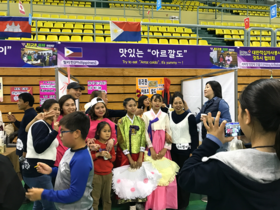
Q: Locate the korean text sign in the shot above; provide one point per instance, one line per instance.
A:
(16, 91)
(47, 91)
(149, 86)
(94, 85)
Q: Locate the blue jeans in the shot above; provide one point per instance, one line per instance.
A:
(44, 182)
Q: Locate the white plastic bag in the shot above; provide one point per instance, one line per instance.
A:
(235, 144)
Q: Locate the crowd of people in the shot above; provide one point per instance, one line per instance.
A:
(148, 153)
(46, 59)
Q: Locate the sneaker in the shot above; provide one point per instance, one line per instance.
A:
(205, 199)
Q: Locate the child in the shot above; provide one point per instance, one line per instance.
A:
(73, 183)
(157, 123)
(132, 142)
(103, 162)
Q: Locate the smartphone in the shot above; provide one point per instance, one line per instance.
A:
(233, 129)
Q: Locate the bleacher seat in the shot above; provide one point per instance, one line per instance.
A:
(52, 38)
(87, 39)
(99, 39)
(64, 38)
(76, 39)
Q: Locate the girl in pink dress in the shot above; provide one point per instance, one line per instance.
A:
(98, 113)
(67, 106)
(157, 125)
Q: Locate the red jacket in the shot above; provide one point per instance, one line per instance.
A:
(101, 166)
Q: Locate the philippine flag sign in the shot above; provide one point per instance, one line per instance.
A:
(15, 27)
(73, 52)
(125, 31)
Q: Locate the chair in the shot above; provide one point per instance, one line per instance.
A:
(202, 42)
(188, 31)
(48, 25)
(153, 41)
(265, 44)
(108, 39)
(166, 34)
(37, 15)
(41, 38)
(158, 34)
(68, 25)
(143, 41)
(99, 39)
(164, 29)
(238, 44)
(226, 31)
(235, 37)
(122, 19)
(88, 31)
(99, 32)
(66, 31)
(183, 42)
(52, 38)
(104, 18)
(153, 21)
(180, 30)
(46, 16)
(227, 38)
(153, 28)
(107, 27)
(78, 31)
(76, 39)
(114, 19)
(256, 44)
(55, 16)
(161, 21)
(81, 17)
(87, 39)
(72, 17)
(44, 30)
(64, 38)
(192, 42)
(89, 26)
(79, 26)
(130, 20)
(219, 32)
(173, 41)
(58, 25)
(176, 34)
(265, 33)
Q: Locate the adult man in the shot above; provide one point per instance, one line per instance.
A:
(25, 103)
(75, 90)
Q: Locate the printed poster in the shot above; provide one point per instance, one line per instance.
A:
(47, 91)
(16, 91)
(94, 85)
(28, 54)
(149, 86)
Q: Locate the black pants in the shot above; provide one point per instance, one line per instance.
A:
(20, 169)
(183, 196)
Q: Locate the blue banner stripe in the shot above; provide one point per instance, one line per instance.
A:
(131, 36)
(15, 34)
(75, 49)
(14, 19)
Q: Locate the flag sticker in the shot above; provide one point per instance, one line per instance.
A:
(73, 52)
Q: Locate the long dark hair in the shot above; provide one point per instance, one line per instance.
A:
(262, 99)
(46, 105)
(141, 103)
(92, 114)
(62, 100)
(100, 126)
(216, 87)
(157, 96)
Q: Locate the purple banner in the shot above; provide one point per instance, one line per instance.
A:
(258, 58)
(145, 56)
(28, 54)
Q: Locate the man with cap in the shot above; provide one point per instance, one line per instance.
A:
(75, 90)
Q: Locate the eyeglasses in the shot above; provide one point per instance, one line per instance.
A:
(62, 132)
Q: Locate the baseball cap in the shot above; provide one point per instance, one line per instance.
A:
(75, 85)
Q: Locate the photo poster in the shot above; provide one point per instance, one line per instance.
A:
(47, 91)
(62, 87)
(1, 90)
(149, 86)
(16, 91)
(191, 90)
(94, 85)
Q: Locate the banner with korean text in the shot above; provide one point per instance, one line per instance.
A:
(94, 55)
(259, 58)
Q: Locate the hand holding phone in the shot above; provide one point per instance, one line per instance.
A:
(233, 129)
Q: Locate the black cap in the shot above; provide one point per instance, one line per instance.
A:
(75, 85)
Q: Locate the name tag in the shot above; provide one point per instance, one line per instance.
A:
(183, 146)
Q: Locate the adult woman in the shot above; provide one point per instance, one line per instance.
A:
(215, 103)
(67, 105)
(144, 104)
(41, 147)
(185, 140)
(241, 179)
(228, 59)
(98, 113)
(221, 60)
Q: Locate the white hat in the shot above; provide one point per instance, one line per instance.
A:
(94, 101)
